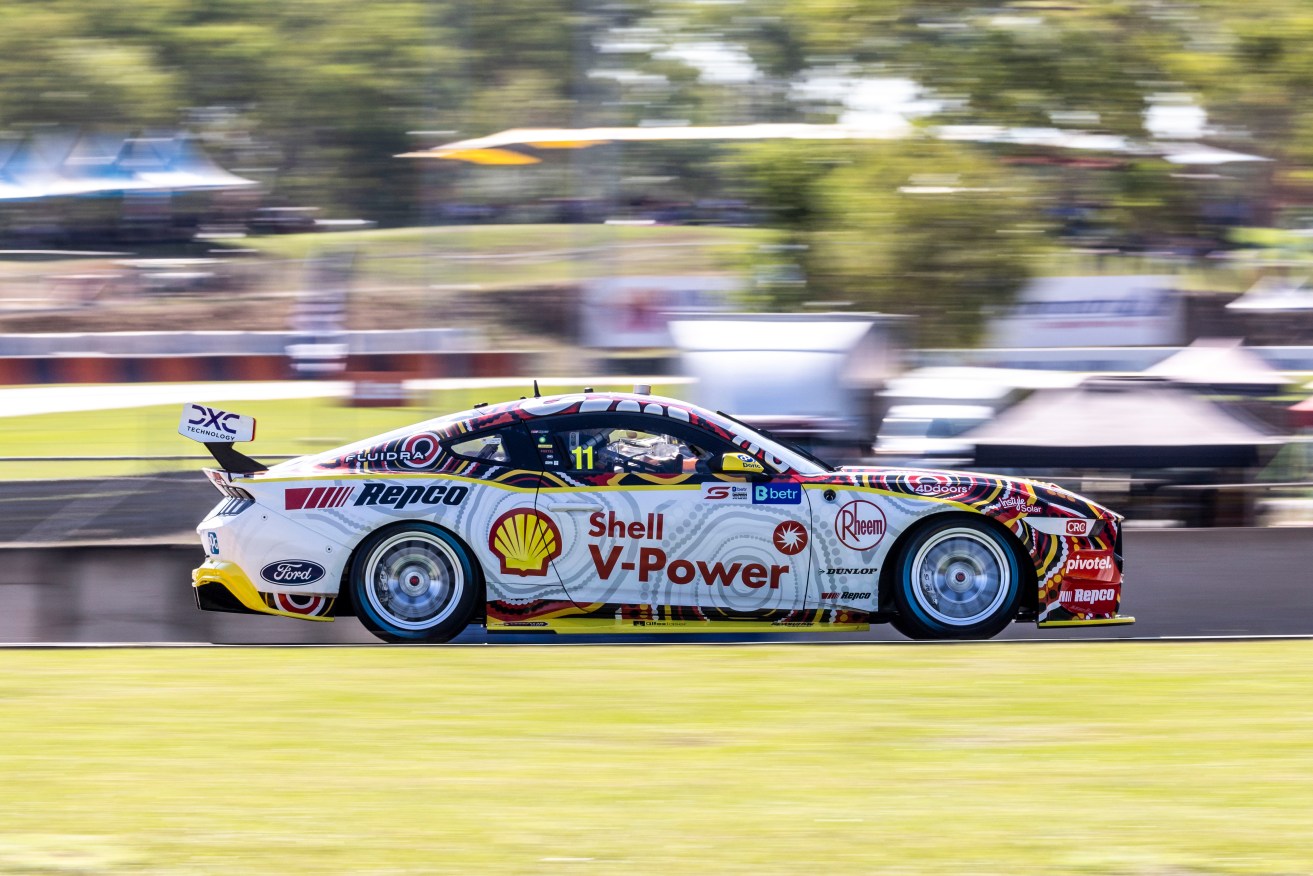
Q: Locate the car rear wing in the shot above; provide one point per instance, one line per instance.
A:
(218, 430)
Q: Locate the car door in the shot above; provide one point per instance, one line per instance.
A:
(650, 530)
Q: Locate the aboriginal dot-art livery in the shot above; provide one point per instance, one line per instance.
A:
(616, 512)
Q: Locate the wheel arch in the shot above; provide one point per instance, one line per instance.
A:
(1029, 584)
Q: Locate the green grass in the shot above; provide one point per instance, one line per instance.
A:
(285, 427)
(1128, 758)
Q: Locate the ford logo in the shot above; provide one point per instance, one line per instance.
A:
(292, 572)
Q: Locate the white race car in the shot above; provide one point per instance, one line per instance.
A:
(625, 512)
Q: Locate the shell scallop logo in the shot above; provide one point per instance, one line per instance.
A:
(525, 541)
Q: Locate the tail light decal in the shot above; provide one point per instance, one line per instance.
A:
(312, 498)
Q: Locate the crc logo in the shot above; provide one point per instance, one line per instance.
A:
(777, 494)
(860, 525)
(209, 418)
(1079, 527)
(292, 572)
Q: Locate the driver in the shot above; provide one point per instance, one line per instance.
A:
(695, 460)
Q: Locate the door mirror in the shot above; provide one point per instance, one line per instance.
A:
(739, 464)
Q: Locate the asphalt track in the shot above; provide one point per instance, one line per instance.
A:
(1210, 583)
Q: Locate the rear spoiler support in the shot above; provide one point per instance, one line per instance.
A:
(232, 460)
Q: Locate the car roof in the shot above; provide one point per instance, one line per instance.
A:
(533, 407)
(526, 410)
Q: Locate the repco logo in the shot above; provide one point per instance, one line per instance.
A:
(1102, 594)
(290, 572)
(399, 496)
(860, 525)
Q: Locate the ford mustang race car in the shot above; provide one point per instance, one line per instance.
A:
(626, 512)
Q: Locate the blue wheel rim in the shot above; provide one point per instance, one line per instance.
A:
(960, 577)
(413, 581)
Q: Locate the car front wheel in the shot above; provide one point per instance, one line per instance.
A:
(957, 579)
(414, 583)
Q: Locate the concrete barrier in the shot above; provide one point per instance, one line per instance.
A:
(130, 593)
(174, 357)
(100, 368)
(228, 343)
(1179, 583)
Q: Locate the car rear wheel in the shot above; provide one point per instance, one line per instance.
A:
(414, 583)
(957, 579)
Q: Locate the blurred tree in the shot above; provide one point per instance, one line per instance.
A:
(56, 71)
(330, 86)
(914, 226)
(328, 90)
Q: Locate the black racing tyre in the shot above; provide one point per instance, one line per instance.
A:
(414, 583)
(958, 578)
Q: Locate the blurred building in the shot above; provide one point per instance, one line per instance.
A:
(1168, 452)
(1100, 311)
(812, 378)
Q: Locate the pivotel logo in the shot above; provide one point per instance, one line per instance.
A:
(399, 496)
(1093, 565)
(291, 572)
(212, 538)
(860, 525)
(777, 494)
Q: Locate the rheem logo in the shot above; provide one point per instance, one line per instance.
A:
(860, 525)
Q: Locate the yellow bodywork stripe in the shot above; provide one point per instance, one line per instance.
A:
(893, 493)
(1092, 622)
(586, 625)
(231, 578)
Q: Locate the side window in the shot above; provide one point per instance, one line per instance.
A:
(649, 450)
(490, 447)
